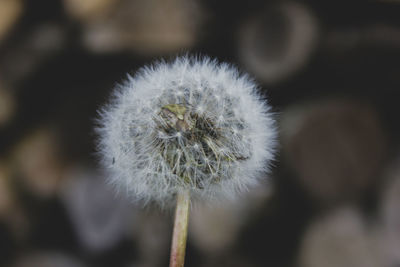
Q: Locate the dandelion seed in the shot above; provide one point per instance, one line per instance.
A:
(156, 144)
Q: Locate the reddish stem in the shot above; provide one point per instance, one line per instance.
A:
(179, 236)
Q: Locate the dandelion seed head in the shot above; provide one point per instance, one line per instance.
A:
(192, 124)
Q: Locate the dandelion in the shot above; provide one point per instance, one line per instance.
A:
(192, 128)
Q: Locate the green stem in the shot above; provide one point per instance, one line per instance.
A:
(179, 235)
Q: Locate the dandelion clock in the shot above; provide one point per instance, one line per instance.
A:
(189, 129)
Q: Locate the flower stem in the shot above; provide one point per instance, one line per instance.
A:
(179, 235)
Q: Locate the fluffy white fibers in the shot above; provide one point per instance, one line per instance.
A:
(192, 124)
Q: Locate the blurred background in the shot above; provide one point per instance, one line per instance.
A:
(331, 73)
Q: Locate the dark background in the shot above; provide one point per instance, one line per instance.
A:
(330, 71)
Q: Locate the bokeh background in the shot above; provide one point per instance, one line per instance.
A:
(330, 70)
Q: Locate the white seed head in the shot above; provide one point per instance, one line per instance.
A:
(192, 124)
